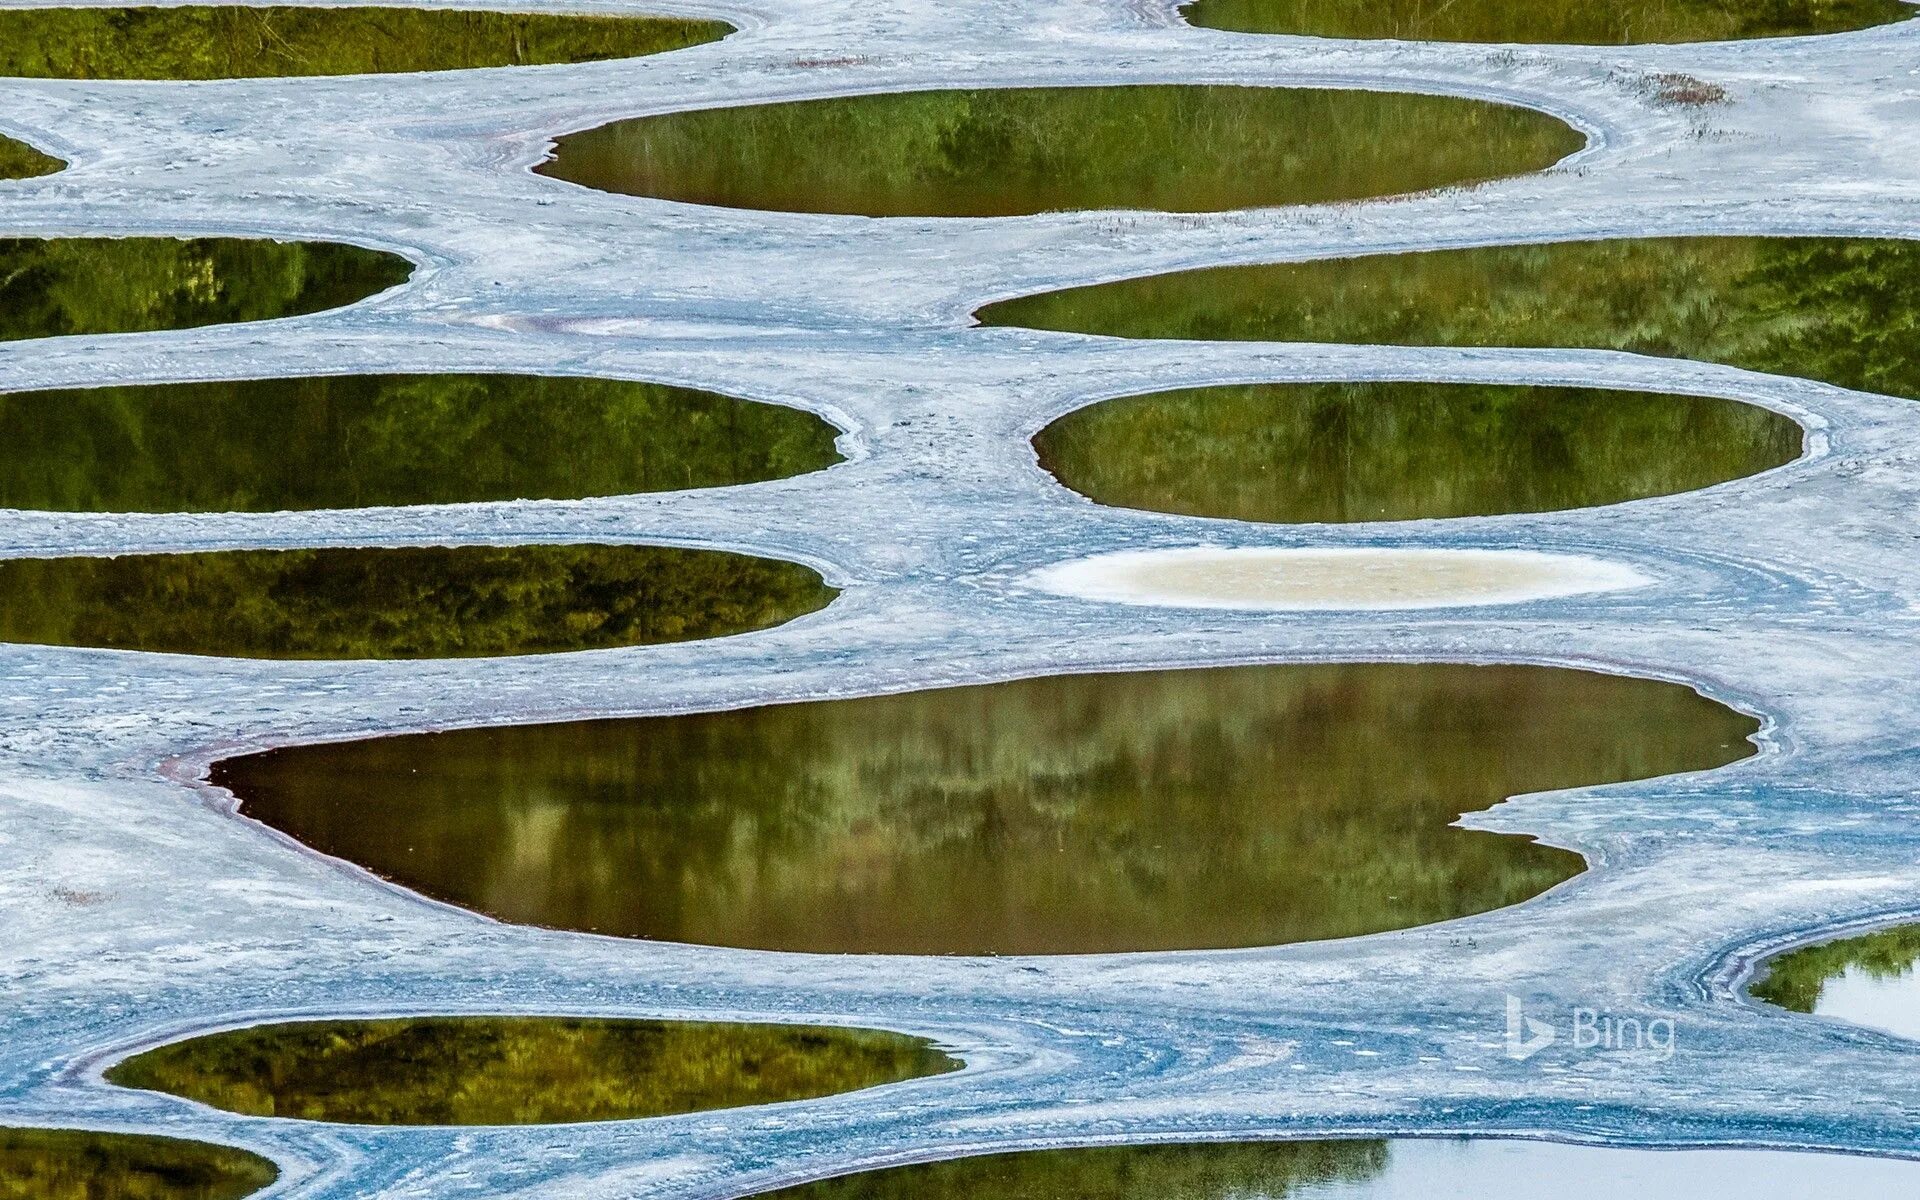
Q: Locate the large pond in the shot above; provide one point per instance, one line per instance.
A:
(21, 161)
(1835, 309)
(1150, 811)
(1011, 151)
(521, 1070)
(1616, 22)
(1376, 1170)
(411, 602)
(1399, 451)
(270, 445)
(72, 1164)
(1871, 980)
(55, 286)
(241, 41)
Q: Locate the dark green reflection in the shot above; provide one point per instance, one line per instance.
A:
(1796, 979)
(72, 1164)
(1158, 810)
(1614, 22)
(243, 41)
(1233, 1171)
(416, 602)
(352, 441)
(54, 286)
(1843, 310)
(1401, 451)
(21, 161)
(1009, 151)
(521, 1070)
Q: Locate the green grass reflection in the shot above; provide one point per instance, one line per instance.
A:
(1796, 979)
(21, 161)
(1614, 23)
(72, 1164)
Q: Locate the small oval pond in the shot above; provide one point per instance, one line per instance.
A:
(1870, 980)
(1403, 1169)
(1048, 816)
(55, 286)
(412, 602)
(74, 1164)
(198, 41)
(1313, 452)
(1833, 309)
(352, 441)
(21, 161)
(521, 1070)
(1014, 151)
(1615, 23)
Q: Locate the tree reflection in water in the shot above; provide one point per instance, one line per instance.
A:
(72, 1164)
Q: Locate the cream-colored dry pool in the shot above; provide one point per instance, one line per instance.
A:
(1351, 578)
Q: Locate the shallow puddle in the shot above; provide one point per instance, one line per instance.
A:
(1617, 22)
(1456, 1169)
(353, 441)
(1870, 980)
(414, 602)
(55, 286)
(1312, 452)
(1147, 811)
(1011, 151)
(73, 1164)
(21, 161)
(521, 1070)
(1352, 579)
(235, 42)
(1834, 309)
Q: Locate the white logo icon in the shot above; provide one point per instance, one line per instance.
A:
(1526, 1036)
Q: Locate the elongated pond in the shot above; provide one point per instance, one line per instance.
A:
(1617, 22)
(1833, 309)
(1400, 451)
(73, 1164)
(1871, 980)
(412, 602)
(1012, 151)
(197, 41)
(55, 286)
(350, 441)
(21, 161)
(1376, 1170)
(1149, 811)
(521, 1070)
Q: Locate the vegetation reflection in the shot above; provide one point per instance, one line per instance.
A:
(415, 602)
(72, 1164)
(1004, 152)
(521, 1070)
(1797, 979)
(1233, 1171)
(21, 161)
(1617, 22)
(245, 41)
(1842, 310)
(271, 445)
(1402, 451)
(55, 286)
(1162, 810)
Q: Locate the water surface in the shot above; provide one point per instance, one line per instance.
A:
(412, 602)
(1010, 151)
(73, 1164)
(245, 41)
(1870, 980)
(349, 441)
(521, 1070)
(55, 286)
(1147, 811)
(21, 161)
(1435, 1169)
(1613, 23)
(1842, 310)
(1305, 452)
